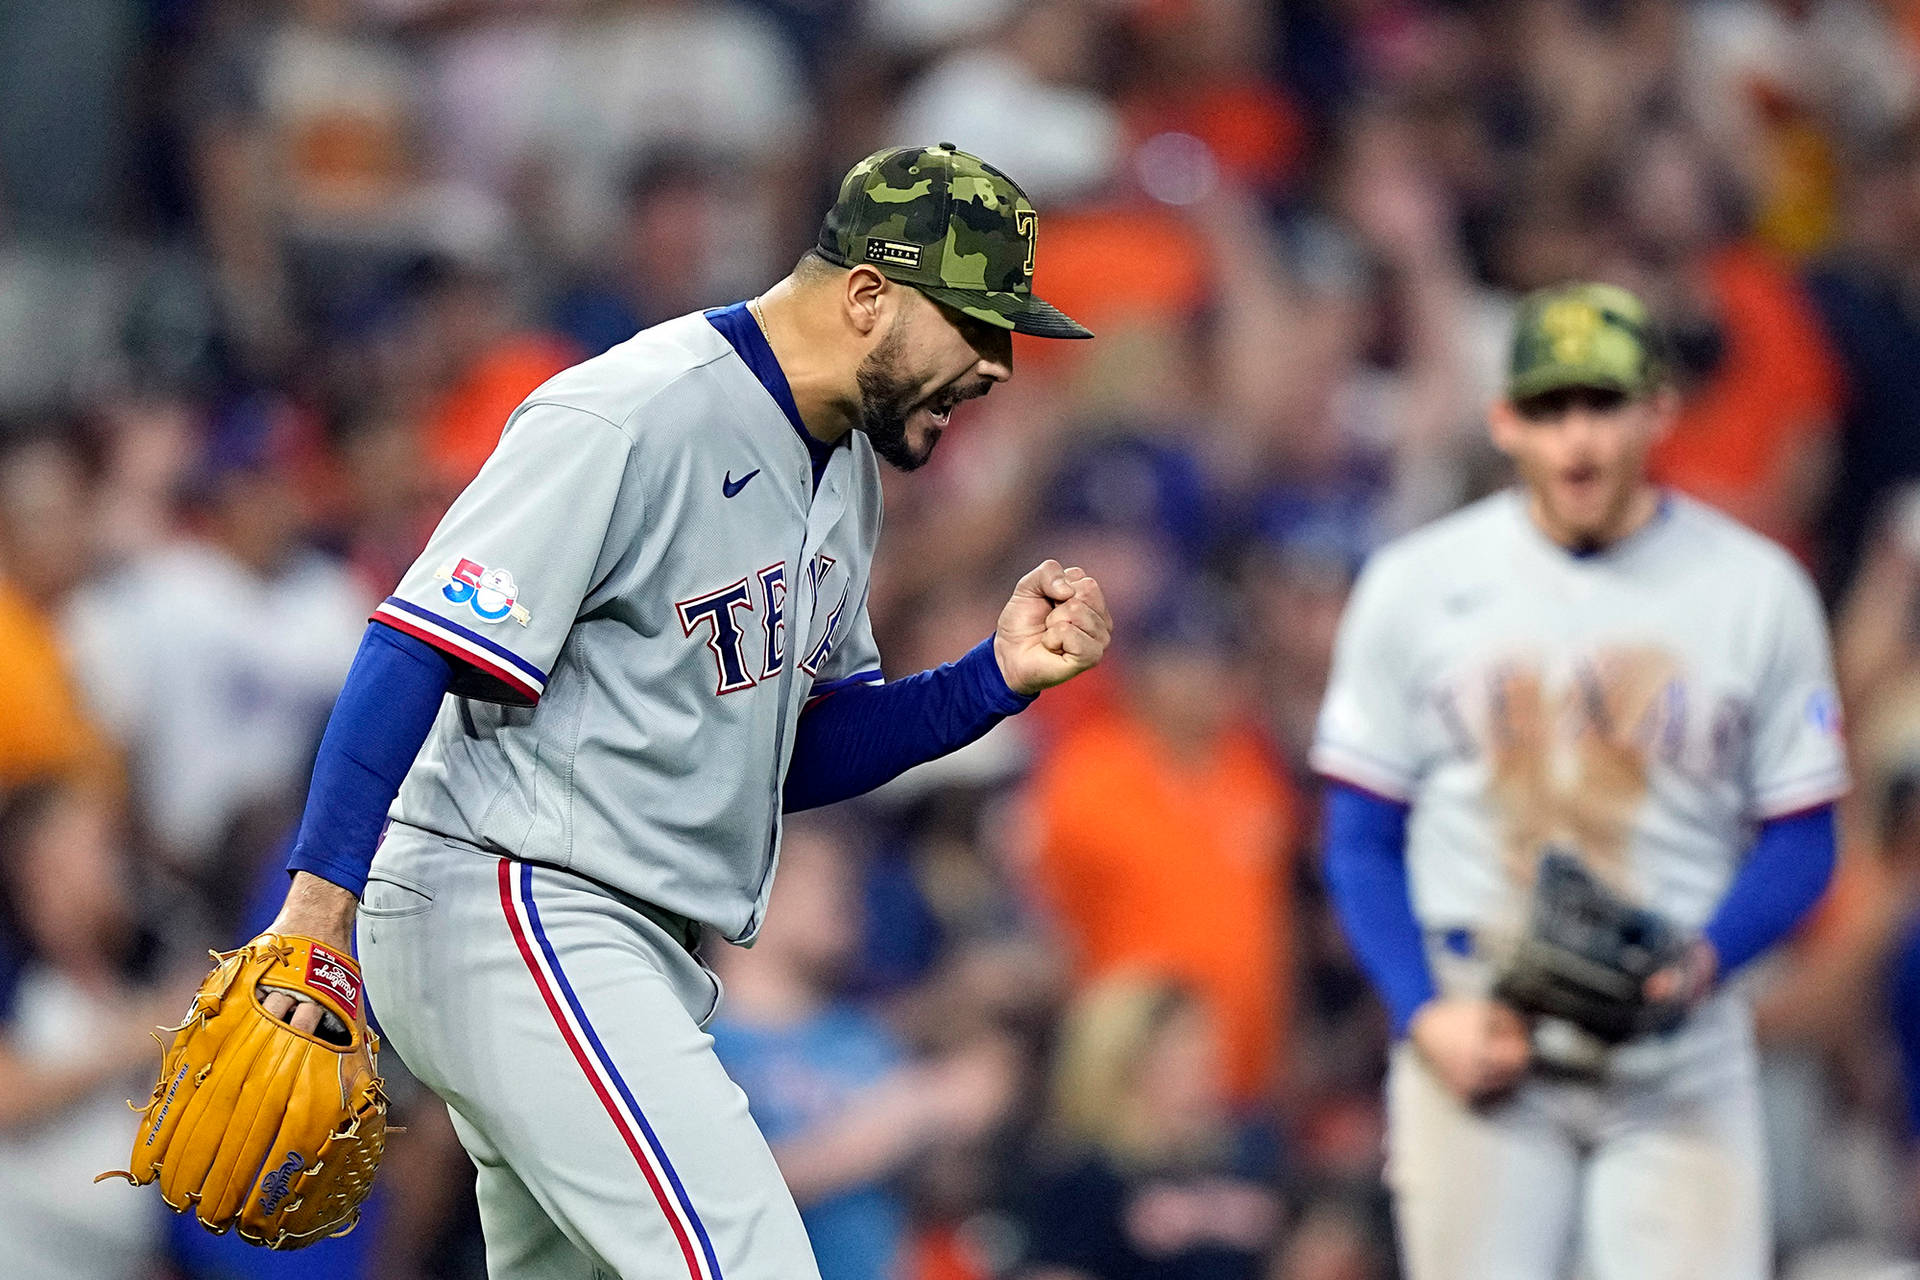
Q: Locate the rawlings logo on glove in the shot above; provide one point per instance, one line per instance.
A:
(259, 1127)
(336, 975)
(274, 1187)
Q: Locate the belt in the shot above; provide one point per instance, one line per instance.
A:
(684, 930)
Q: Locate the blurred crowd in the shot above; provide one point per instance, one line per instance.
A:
(1068, 1005)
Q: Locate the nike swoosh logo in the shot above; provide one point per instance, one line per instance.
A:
(730, 486)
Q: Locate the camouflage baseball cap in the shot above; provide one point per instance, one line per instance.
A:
(952, 226)
(1582, 335)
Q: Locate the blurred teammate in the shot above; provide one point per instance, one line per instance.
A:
(641, 607)
(1590, 663)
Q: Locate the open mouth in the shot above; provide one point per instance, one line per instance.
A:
(1580, 477)
(941, 404)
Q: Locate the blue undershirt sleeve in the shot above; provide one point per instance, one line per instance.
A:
(384, 712)
(860, 736)
(1365, 839)
(1783, 877)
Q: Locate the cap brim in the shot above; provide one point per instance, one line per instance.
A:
(1022, 313)
(1567, 378)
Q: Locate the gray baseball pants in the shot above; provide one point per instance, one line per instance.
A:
(1660, 1179)
(563, 1029)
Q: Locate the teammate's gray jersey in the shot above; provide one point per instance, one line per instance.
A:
(647, 590)
(1645, 706)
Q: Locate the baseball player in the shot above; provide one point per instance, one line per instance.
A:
(1589, 666)
(650, 612)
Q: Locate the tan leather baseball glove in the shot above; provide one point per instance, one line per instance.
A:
(255, 1125)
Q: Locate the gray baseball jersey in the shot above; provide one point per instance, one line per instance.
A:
(645, 587)
(1645, 706)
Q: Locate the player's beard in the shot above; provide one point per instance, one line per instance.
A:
(888, 399)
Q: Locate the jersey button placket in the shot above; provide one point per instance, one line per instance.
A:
(821, 519)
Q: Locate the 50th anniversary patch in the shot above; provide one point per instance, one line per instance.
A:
(490, 593)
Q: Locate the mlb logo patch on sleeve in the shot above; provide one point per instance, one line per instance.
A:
(490, 593)
(1823, 711)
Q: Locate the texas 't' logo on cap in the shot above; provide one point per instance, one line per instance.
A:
(952, 226)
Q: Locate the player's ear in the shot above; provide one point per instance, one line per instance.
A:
(1504, 426)
(866, 299)
(1666, 408)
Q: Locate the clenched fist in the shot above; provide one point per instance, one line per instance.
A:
(1055, 626)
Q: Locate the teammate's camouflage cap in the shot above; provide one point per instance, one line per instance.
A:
(1583, 335)
(952, 226)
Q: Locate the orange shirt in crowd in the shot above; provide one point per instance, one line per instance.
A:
(1253, 130)
(465, 425)
(1742, 437)
(1166, 280)
(44, 733)
(1181, 866)
(1087, 696)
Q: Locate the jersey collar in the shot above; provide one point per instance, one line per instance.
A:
(1612, 550)
(742, 332)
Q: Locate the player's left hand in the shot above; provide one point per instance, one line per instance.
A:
(1688, 982)
(1055, 626)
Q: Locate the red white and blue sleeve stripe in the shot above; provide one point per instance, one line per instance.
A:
(510, 678)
